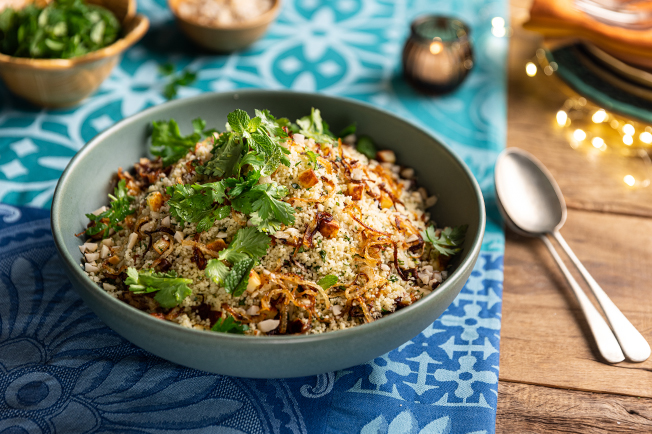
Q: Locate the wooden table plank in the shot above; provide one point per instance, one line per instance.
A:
(544, 338)
(526, 409)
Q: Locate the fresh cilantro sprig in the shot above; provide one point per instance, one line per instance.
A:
(119, 209)
(245, 250)
(61, 30)
(315, 128)
(170, 145)
(201, 204)
(182, 78)
(170, 289)
(229, 325)
(449, 240)
(263, 200)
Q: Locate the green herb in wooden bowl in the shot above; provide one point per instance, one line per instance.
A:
(61, 30)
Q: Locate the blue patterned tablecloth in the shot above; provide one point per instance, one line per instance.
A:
(63, 371)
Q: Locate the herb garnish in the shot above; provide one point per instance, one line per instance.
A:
(327, 281)
(229, 325)
(313, 127)
(198, 204)
(61, 30)
(183, 78)
(247, 247)
(172, 290)
(366, 146)
(449, 240)
(119, 209)
(170, 145)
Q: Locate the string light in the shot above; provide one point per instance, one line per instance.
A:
(530, 69)
(599, 116)
(629, 180)
(562, 118)
(579, 135)
(610, 133)
(629, 129)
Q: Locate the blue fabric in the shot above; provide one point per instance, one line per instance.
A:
(63, 371)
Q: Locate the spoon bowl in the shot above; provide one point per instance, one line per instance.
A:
(528, 194)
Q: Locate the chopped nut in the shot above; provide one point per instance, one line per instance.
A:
(268, 325)
(308, 178)
(407, 173)
(91, 268)
(155, 201)
(355, 191)
(133, 237)
(166, 222)
(385, 201)
(178, 236)
(106, 252)
(113, 260)
(92, 257)
(386, 156)
(90, 247)
(431, 201)
(254, 281)
(328, 229)
(216, 245)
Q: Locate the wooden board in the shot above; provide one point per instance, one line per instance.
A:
(544, 337)
(526, 409)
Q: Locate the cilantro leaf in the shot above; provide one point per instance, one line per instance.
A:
(248, 242)
(198, 204)
(366, 146)
(229, 325)
(448, 241)
(314, 127)
(171, 289)
(263, 199)
(119, 209)
(327, 281)
(216, 271)
(169, 144)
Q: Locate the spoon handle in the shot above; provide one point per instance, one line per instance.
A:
(604, 337)
(633, 344)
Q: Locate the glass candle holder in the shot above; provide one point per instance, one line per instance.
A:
(438, 55)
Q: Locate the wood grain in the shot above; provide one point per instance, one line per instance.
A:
(526, 409)
(544, 338)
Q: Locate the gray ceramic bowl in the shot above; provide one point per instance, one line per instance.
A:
(85, 183)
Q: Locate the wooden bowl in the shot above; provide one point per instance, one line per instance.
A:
(65, 82)
(226, 38)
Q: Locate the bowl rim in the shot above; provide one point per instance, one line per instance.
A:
(58, 203)
(120, 45)
(264, 19)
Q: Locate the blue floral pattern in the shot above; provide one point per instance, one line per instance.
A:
(63, 371)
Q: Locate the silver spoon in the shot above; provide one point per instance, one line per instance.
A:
(532, 204)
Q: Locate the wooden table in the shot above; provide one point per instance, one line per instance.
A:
(551, 377)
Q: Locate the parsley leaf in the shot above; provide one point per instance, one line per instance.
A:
(248, 242)
(327, 281)
(183, 78)
(449, 240)
(120, 208)
(171, 289)
(313, 158)
(198, 204)
(314, 127)
(229, 325)
(366, 146)
(170, 145)
(264, 200)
